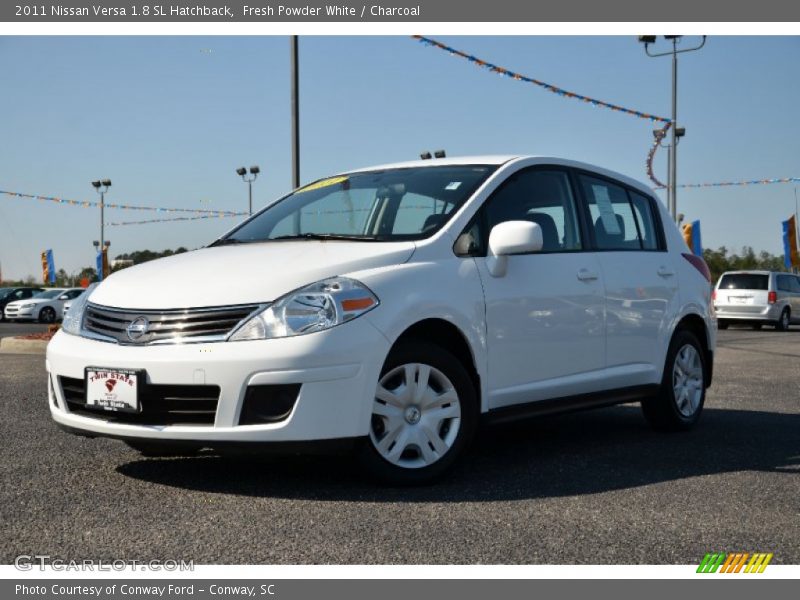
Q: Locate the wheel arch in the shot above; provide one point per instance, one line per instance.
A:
(694, 323)
(448, 335)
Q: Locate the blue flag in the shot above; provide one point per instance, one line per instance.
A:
(51, 267)
(100, 266)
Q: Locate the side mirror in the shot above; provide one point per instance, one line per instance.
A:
(511, 237)
(63, 297)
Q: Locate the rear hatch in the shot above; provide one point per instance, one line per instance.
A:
(743, 291)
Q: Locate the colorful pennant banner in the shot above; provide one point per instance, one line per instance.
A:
(173, 219)
(92, 204)
(547, 86)
(660, 134)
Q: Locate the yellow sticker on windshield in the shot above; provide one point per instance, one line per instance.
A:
(323, 183)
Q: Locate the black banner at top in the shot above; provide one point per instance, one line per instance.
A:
(462, 11)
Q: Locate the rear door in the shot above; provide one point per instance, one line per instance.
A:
(641, 283)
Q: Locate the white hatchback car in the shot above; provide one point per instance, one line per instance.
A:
(392, 309)
(46, 306)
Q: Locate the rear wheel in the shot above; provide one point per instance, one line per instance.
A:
(757, 326)
(679, 401)
(157, 448)
(47, 315)
(722, 324)
(784, 321)
(424, 414)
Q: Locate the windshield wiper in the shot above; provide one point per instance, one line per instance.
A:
(327, 236)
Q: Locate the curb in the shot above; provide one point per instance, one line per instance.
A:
(15, 345)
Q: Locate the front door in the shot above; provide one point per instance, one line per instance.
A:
(545, 316)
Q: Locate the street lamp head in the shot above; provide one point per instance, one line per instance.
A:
(241, 171)
(96, 244)
(254, 170)
(107, 243)
(439, 154)
(672, 37)
(96, 184)
(647, 39)
(680, 131)
(106, 182)
(426, 156)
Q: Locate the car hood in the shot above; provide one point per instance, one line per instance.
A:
(242, 273)
(30, 301)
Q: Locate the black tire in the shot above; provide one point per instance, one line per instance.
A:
(424, 353)
(784, 321)
(47, 315)
(722, 324)
(154, 448)
(662, 410)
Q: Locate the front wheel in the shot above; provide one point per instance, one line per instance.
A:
(722, 324)
(47, 315)
(424, 414)
(680, 398)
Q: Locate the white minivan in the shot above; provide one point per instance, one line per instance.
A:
(391, 310)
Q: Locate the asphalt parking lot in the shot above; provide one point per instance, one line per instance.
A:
(12, 328)
(595, 487)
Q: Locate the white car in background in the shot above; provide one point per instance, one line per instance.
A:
(393, 309)
(45, 307)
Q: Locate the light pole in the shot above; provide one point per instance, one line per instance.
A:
(254, 171)
(295, 109)
(101, 187)
(679, 133)
(673, 147)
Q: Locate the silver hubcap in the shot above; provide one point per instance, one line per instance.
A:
(687, 380)
(416, 416)
(785, 319)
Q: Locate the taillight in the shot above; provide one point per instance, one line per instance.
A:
(772, 297)
(713, 294)
(699, 264)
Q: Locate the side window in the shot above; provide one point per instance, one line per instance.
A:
(542, 197)
(796, 285)
(74, 294)
(643, 211)
(22, 294)
(784, 283)
(612, 216)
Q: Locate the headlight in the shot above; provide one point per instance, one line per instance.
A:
(316, 307)
(72, 320)
(28, 306)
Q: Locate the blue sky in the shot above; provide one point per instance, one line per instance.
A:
(168, 119)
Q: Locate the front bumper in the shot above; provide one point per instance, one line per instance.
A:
(21, 313)
(337, 371)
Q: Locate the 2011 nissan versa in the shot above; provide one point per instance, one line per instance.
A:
(393, 309)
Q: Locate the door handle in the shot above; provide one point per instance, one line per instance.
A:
(587, 275)
(665, 272)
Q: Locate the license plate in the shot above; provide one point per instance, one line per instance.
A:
(738, 299)
(113, 389)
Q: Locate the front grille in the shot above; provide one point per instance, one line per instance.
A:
(165, 326)
(159, 404)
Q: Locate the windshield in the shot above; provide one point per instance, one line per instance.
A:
(5, 292)
(389, 205)
(48, 294)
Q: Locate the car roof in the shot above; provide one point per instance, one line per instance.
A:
(501, 159)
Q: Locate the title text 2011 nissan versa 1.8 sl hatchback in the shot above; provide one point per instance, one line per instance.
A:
(394, 308)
